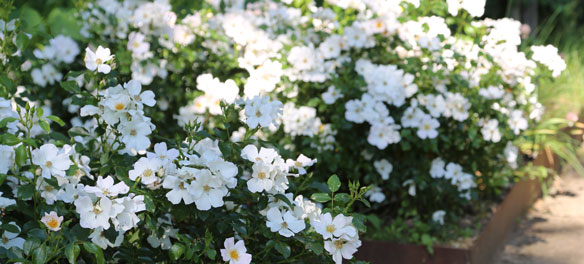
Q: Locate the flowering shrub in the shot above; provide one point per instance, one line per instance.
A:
(180, 118)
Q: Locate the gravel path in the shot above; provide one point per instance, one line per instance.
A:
(553, 230)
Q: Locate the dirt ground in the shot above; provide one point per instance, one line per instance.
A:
(553, 230)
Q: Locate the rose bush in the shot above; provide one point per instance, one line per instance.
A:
(179, 120)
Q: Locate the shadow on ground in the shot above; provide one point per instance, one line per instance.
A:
(553, 230)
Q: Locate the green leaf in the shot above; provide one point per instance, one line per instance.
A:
(7, 120)
(11, 228)
(25, 192)
(71, 252)
(40, 112)
(283, 248)
(64, 22)
(365, 202)
(9, 139)
(78, 131)
(211, 253)
(30, 19)
(334, 183)
(57, 120)
(176, 251)
(316, 247)
(342, 197)
(20, 156)
(284, 198)
(71, 86)
(359, 222)
(150, 207)
(95, 250)
(39, 256)
(320, 197)
(45, 125)
(30, 245)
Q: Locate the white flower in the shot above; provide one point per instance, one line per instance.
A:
(517, 122)
(427, 127)
(7, 156)
(266, 155)
(51, 161)
(5, 202)
(302, 57)
(207, 190)
(285, 224)
(300, 163)
(162, 153)
(341, 248)
(178, 183)
(10, 239)
(331, 95)
(511, 154)
(383, 167)
(146, 169)
(339, 226)
(381, 135)
(491, 131)
(137, 45)
(66, 49)
(127, 219)
(438, 216)
(105, 187)
(412, 117)
(95, 214)
(437, 169)
(548, 56)
(52, 221)
(261, 111)
(98, 59)
(453, 171)
(235, 253)
(411, 187)
(262, 177)
(135, 135)
(375, 194)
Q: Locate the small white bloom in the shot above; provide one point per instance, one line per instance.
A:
(384, 168)
(51, 161)
(97, 60)
(285, 224)
(235, 253)
(52, 221)
(438, 216)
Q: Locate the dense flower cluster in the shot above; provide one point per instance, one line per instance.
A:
(397, 94)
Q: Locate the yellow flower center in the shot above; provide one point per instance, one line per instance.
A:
(338, 243)
(330, 228)
(148, 173)
(233, 254)
(426, 127)
(262, 175)
(119, 106)
(284, 225)
(96, 209)
(206, 188)
(53, 223)
(48, 164)
(136, 44)
(98, 61)
(181, 186)
(133, 132)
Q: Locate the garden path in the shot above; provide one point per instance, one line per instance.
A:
(553, 230)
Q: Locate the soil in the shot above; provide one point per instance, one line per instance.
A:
(553, 230)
